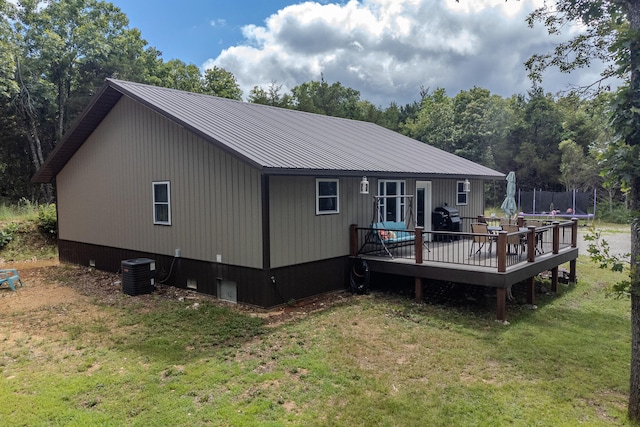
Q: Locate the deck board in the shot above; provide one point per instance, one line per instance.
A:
(478, 274)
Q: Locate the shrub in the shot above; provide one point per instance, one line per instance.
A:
(617, 215)
(7, 233)
(48, 220)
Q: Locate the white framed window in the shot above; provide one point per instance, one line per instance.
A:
(461, 195)
(162, 203)
(327, 196)
(392, 208)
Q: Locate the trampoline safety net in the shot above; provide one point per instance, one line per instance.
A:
(566, 203)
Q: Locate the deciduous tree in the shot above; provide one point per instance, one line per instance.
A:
(610, 33)
(220, 82)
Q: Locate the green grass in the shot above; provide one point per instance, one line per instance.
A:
(27, 242)
(378, 359)
(25, 210)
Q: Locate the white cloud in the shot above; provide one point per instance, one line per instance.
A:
(218, 23)
(388, 49)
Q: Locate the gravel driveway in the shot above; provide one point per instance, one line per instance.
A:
(619, 239)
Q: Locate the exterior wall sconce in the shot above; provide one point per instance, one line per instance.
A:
(467, 186)
(364, 186)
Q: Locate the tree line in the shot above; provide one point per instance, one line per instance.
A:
(53, 58)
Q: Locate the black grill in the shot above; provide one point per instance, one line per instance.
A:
(446, 218)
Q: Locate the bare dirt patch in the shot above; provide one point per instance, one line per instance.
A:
(48, 284)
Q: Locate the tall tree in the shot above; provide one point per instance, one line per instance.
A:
(323, 98)
(220, 82)
(61, 39)
(576, 168)
(610, 33)
(61, 51)
(478, 124)
(8, 86)
(270, 96)
(434, 123)
(176, 74)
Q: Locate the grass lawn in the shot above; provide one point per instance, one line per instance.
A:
(76, 351)
(378, 359)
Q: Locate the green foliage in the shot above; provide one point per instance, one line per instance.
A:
(7, 234)
(576, 168)
(618, 214)
(48, 220)
(270, 96)
(434, 123)
(322, 98)
(600, 253)
(220, 82)
(23, 210)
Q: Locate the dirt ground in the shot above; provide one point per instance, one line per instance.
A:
(48, 283)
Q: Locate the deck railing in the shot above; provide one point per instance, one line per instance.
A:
(495, 250)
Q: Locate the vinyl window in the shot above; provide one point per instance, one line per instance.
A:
(162, 203)
(461, 197)
(327, 196)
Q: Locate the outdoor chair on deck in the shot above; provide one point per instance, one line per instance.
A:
(481, 237)
(515, 241)
(10, 277)
(534, 222)
(539, 234)
(507, 221)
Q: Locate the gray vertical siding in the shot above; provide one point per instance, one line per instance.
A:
(298, 235)
(444, 191)
(105, 198)
(105, 191)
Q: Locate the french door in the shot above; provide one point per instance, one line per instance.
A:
(422, 205)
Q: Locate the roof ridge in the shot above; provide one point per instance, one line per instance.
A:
(123, 83)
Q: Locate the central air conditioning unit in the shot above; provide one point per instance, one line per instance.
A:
(138, 276)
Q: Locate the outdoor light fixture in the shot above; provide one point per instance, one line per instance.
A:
(467, 186)
(364, 186)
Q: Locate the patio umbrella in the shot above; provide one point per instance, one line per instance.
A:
(509, 203)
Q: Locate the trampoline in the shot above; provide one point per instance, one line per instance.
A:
(565, 204)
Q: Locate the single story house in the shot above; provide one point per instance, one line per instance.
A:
(247, 202)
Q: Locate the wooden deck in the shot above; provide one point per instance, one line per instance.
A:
(510, 258)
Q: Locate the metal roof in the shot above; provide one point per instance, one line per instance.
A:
(274, 140)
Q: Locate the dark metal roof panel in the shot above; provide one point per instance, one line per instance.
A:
(278, 140)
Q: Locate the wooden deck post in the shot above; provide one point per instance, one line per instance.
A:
(502, 251)
(419, 244)
(556, 249)
(353, 240)
(531, 243)
(419, 294)
(521, 221)
(554, 279)
(574, 244)
(531, 290)
(501, 304)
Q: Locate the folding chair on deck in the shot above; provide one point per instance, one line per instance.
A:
(10, 277)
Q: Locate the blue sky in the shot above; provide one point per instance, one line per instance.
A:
(195, 30)
(386, 49)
